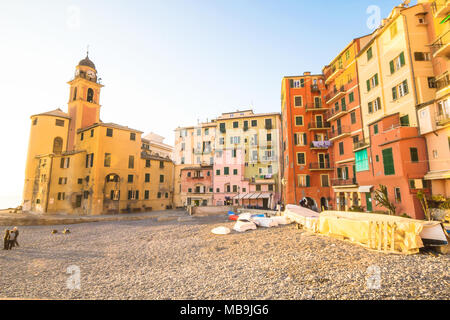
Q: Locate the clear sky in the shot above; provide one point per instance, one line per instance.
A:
(164, 63)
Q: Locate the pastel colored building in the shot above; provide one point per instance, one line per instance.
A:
(434, 116)
(77, 164)
(194, 148)
(396, 75)
(197, 185)
(344, 117)
(307, 161)
(247, 152)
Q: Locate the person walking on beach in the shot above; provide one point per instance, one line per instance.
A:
(13, 240)
(6, 238)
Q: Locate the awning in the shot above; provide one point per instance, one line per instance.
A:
(436, 175)
(265, 196)
(337, 190)
(247, 196)
(365, 189)
(255, 195)
(242, 195)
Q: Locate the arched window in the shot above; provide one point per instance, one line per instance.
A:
(75, 93)
(90, 95)
(57, 145)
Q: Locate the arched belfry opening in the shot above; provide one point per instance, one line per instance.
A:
(90, 95)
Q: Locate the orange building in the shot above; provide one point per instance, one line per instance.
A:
(344, 118)
(306, 147)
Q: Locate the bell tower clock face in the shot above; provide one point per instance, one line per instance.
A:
(91, 74)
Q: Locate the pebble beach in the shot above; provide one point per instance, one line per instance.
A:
(182, 259)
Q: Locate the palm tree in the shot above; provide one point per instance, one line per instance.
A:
(381, 196)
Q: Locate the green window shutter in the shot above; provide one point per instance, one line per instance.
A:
(368, 85)
(414, 154)
(391, 64)
(308, 181)
(404, 121)
(379, 102)
(388, 162)
(339, 173)
(346, 173)
(291, 83)
(295, 139)
(376, 79)
(402, 59)
(344, 105)
(405, 86)
(375, 129)
(305, 139)
(370, 107)
(394, 93)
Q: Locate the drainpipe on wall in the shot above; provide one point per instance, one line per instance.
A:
(48, 184)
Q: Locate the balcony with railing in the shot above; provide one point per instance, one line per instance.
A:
(332, 73)
(310, 107)
(344, 182)
(441, 47)
(442, 118)
(319, 126)
(320, 166)
(339, 132)
(359, 145)
(440, 8)
(335, 94)
(315, 88)
(336, 112)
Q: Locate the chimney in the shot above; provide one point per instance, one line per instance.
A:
(307, 73)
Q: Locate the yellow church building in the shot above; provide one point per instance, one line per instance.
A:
(76, 164)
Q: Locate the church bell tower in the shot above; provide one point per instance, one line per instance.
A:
(84, 99)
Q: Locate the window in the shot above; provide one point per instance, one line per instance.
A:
(347, 55)
(398, 195)
(166, 195)
(161, 164)
(303, 180)
(61, 195)
(235, 172)
(393, 30)
(236, 124)
(300, 139)
(226, 171)
(222, 128)
(361, 160)
(161, 178)
(92, 133)
(234, 153)
(89, 160)
(147, 177)
(81, 136)
(400, 90)
(341, 148)
(235, 188)
(388, 162)
(369, 54)
(62, 180)
(397, 63)
(65, 162)
(59, 123)
(217, 172)
(351, 97)
(131, 162)
(299, 120)
(372, 82)
(301, 158)
(268, 123)
(353, 117)
(432, 83)
(206, 131)
(324, 180)
(422, 56)
(132, 136)
(258, 187)
(375, 129)
(146, 194)
(298, 101)
(414, 154)
(109, 132)
(404, 121)
(107, 162)
(148, 163)
(35, 120)
(57, 145)
(130, 178)
(80, 181)
(254, 123)
(269, 137)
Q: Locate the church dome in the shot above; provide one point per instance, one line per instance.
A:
(87, 62)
